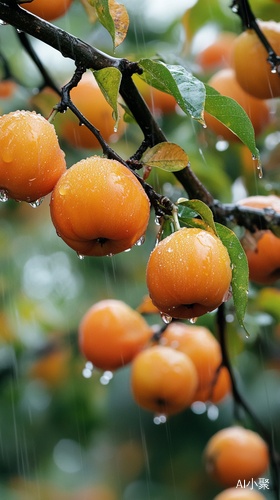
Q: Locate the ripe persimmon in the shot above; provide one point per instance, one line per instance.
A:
(48, 9)
(205, 352)
(253, 71)
(189, 273)
(111, 334)
(90, 101)
(163, 380)
(31, 160)
(98, 207)
(239, 494)
(225, 82)
(262, 247)
(218, 54)
(236, 454)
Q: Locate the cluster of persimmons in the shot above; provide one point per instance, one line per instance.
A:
(98, 207)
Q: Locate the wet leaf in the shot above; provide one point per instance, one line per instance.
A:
(109, 80)
(188, 91)
(113, 16)
(167, 156)
(128, 116)
(233, 116)
(240, 270)
(201, 209)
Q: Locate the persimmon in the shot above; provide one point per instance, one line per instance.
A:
(218, 54)
(99, 208)
(111, 334)
(236, 454)
(225, 82)
(239, 494)
(163, 380)
(31, 160)
(262, 247)
(90, 101)
(253, 71)
(189, 273)
(48, 9)
(205, 352)
(7, 88)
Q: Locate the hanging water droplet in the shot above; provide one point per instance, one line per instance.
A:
(166, 318)
(37, 203)
(80, 256)
(3, 196)
(260, 171)
(193, 320)
(87, 373)
(106, 377)
(212, 412)
(19, 31)
(234, 9)
(110, 255)
(273, 69)
(140, 241)
(127, 250)
(160, 419)
(158, 220)
(89, 365)
(2, 23)
(247, 336)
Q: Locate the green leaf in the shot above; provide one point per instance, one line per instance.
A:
(128, 116)
(109, 80)
(233, 116)
(202, 209)
(113, 17)
(188, 222)
(188, 91)
(240, 270)
(167, 156)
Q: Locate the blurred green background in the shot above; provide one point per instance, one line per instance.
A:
(64, 433)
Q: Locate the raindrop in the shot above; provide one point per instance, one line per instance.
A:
(19, 31)
(160, 419)
(158, 220)
(204, 125)
(140, 241)
(37, 203)
(87, 373)
(193, 320)
(2, 23)
(222, 145)
(106, 377)
(260, 171)
(166, 318)
(212, 412)
(127, 250)
(198, 407)
(89, 365)
(273, 69)
(234, 9)
(80, 256)
(229, 318)
(110, 255)
(247, 336)
(3, 196)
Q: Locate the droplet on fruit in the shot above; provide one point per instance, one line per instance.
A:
(166, 318)
(193, 320)
(160, 419)
(106, 377)
(140, 241)
(80, 256)
(37, 203)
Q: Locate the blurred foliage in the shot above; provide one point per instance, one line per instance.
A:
(69, 436)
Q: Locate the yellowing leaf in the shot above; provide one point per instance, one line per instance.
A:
(121, 21)
(167, 156)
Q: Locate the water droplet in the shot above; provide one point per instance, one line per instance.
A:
(37, 203)
(115, 129)
(106, 377)
(269, 213)
(140, 241)
(198, 407)
(234, 9)
(2, 23)
(158, 220)
(3, 196)
(212, 412)
(204, 125)
(273, 69)
(160, 419)
(166, 318)
(89, 365)
(127, 250)
(110, 255)
(193, 320)
(260, 171)
(80, 256)
(19, 31)
(87, 373)
(247, 336)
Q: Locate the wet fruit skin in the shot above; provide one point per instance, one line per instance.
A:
(48, 9)
(31, 161)
(163, 380)
(234, 454)
(264, 260)
(239, 494)
(204, 350)
(253, 71)
(225, 82)
(90, 101)
(188, 273)
(111, 334)
(99, 208)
